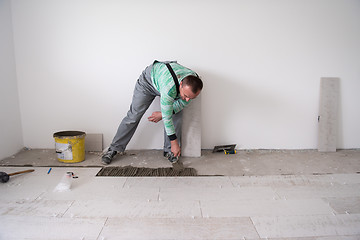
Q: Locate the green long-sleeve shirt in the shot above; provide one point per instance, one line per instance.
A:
(169, 101)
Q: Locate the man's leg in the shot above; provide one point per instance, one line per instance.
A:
(177, 119)
(140, 103)
(143, 96)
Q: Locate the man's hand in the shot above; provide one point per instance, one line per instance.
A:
(175, 148)
(155, 117)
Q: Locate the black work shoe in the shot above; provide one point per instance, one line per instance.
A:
(108, 156)
(170, 156)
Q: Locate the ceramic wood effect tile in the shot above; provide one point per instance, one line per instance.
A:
(296, 180)
(100, 188)
(49, 208)
(217, 193)
(30, 186)
(179, 182)
(304, 207)
(178, 228)
(307, 226)
(315, 191)
(254, 207)
(45, 228)
(353, 237)
(15, 191)
(135, 209)
(342, 205)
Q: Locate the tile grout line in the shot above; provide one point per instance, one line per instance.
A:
(231, 182)
(102, 228)
(201, 209)
(333, 211)
(277, 195)
(39, 196)
(123, 186)
(255, 228)
(72, 202)
(158, 198)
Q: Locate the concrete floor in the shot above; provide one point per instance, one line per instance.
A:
(244, 163)
(263, 195)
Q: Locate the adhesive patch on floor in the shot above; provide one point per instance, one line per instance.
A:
(129, 171)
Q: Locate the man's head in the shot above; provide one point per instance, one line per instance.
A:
(190, 87)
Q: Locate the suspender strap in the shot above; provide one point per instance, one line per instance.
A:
(176, 81)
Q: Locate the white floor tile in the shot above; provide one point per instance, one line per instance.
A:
(337, 237)
(343, 205)
(179, 182)
(178, 228)
(49, 208)
(17, 191)
(217, 193)
(296, 180)
(135, 209)
(48, 228)
(249, 208)
(316, 191)
(100, 188)
(30, 186)
(307, 226)
(191, 207)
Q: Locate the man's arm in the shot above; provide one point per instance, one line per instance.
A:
(179, 105)
(155, 117)
(175, 147)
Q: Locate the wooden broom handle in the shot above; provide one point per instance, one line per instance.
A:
(11, 174)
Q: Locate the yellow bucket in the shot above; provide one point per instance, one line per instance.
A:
(70, 146)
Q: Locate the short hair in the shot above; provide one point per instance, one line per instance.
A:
(194, 82)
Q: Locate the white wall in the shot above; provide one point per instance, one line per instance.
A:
(77, 62)
(10, 126)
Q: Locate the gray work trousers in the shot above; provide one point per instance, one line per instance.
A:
(143, 96)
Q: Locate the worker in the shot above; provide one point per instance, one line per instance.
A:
(176, 85)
